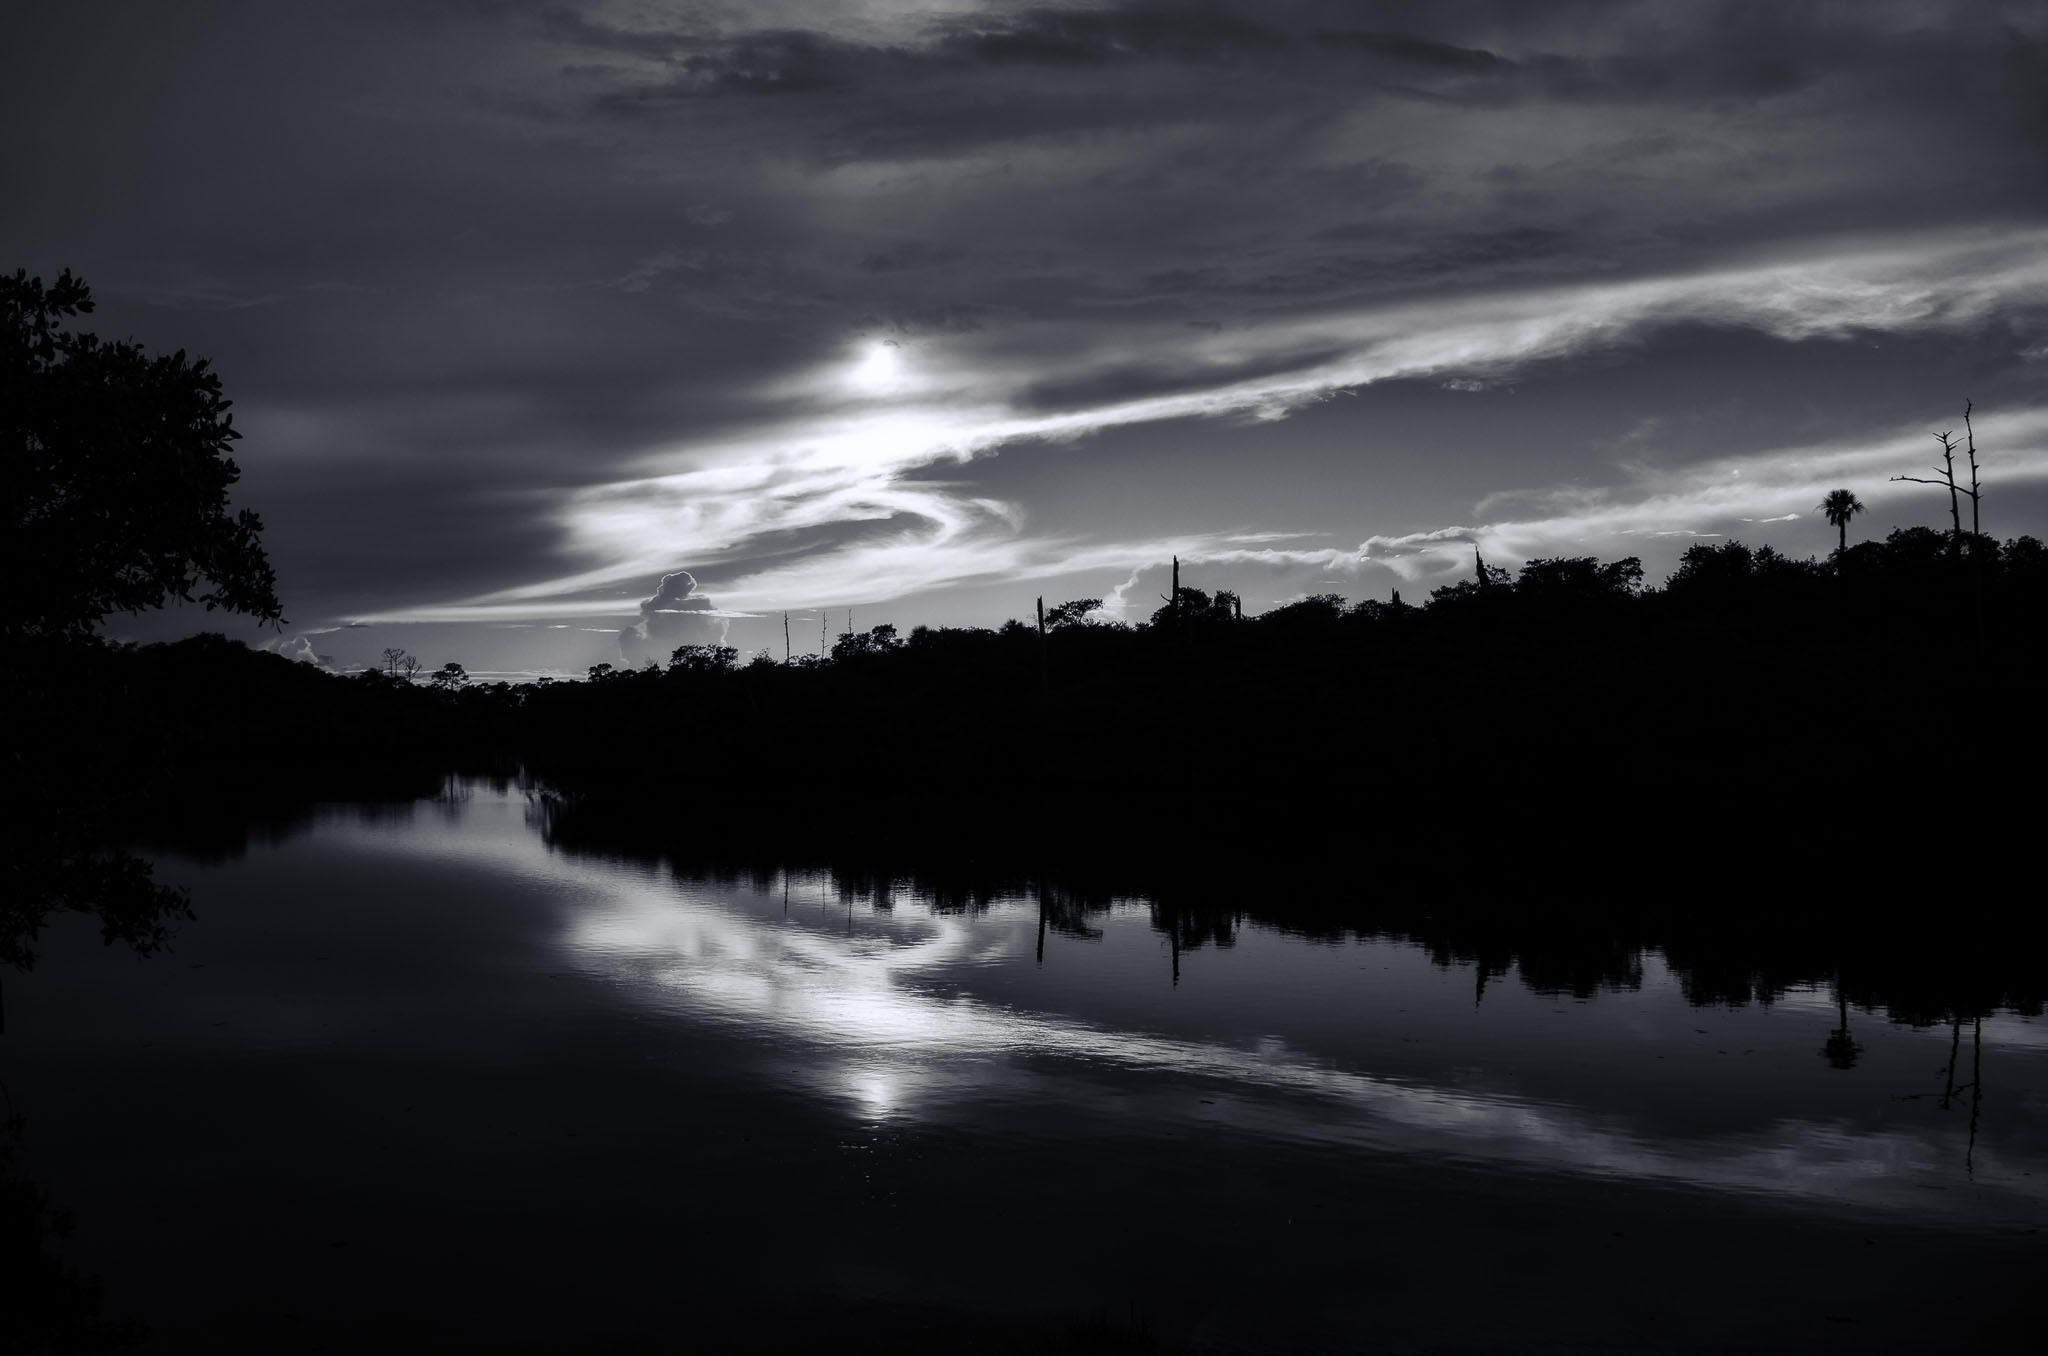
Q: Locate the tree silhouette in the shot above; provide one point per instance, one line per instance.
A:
(703, 659)
(1841, 1050)
(1840, 506)
(117, 475)
(1073, 612)
(1947, 473)
(881, 640)
(116, 499)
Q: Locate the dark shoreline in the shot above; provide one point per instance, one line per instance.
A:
(1763, 748)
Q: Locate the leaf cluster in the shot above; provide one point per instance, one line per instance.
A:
(116, 474)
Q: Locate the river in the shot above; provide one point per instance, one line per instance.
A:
(415, 1074)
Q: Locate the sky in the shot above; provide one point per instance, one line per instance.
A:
(918, 310)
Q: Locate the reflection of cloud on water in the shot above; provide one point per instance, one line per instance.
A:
(889, 1048)
(875, 1033)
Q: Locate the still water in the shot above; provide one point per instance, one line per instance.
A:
(415, 1074)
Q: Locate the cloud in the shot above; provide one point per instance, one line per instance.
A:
(297, 648)
(863, 457)
(1710, 498)
(676, 615)
(646, 272)
(586, 305)
(1116, 603)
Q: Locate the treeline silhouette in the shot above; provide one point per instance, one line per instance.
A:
(1755, 720)
(1757, 727)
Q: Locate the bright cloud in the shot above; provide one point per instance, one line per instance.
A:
(816, 503)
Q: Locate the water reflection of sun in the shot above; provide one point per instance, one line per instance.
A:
(874, 1092)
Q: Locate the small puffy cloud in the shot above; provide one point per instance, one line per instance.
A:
(297, 648)
(676, 615)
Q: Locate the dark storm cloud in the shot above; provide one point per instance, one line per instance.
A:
(797, 62)
(1404, 48)
(1636, 52)
(996, 87)
(1089, 37)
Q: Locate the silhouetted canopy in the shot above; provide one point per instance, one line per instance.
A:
(117, 474)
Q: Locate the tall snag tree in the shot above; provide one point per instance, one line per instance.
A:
(1947, 472)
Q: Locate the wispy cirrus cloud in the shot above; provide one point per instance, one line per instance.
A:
(550, 301)
(1717, 497)
(848, 447)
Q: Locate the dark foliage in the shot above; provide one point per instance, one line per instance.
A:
(1516, 729)
(116, 499)
(1565, 726)
(117, 474)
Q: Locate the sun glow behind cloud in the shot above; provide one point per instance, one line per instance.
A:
(816, 504)
(879, 370)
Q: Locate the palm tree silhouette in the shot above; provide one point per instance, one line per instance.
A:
(1840, 506)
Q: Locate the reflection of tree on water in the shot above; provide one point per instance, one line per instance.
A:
(1841, 1051)
(1955, 1043)
(1950, 1089)
(1723, 956)
(1189, 927)
(1975, 1087)
(1068, 913)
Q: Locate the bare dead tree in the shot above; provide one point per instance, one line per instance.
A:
(1173, 599)
(410, 666)
(1044, 665)
(393, 657)
(1976, 529)
(785, 643)
(1947, 472)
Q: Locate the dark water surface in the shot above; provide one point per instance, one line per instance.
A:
(414, 1075)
